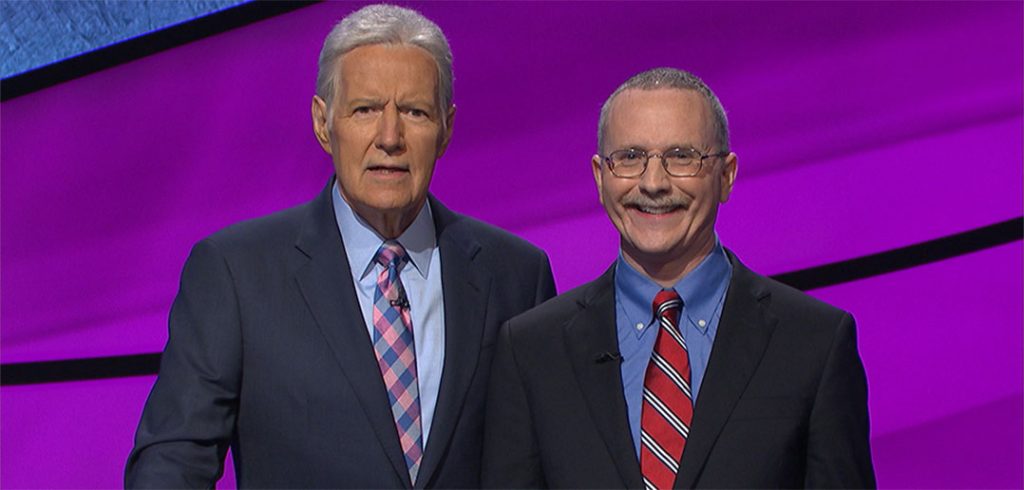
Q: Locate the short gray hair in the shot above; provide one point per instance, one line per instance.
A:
(384, 24)
(669, 78)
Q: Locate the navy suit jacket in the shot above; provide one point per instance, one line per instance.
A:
(783, 403)
(269, 354)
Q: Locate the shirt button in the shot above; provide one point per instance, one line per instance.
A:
(701, 322)
(639, 326)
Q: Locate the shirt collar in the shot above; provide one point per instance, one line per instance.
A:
(635, 293)
(362, 241)
(701, 290)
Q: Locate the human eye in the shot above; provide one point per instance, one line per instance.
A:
(682, 156)
(629, 156)
(365, 109)
(416, 113)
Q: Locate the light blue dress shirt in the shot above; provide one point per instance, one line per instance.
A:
(703, 293)
(422, 281)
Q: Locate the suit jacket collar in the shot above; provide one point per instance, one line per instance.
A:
(325, 282)
(744, 331)
(466, 289)
(590, 336)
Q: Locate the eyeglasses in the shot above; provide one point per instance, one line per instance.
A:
(678, 162)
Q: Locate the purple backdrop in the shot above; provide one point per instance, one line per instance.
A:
(860, 127)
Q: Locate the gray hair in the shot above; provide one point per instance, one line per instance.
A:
(670, 78)
(384, 24)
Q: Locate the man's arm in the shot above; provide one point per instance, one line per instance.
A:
(189, 418)
(510, 456)
(838, 448)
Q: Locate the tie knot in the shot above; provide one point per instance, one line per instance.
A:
(391, 254)
(667, 302)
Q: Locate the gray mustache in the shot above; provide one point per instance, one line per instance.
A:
(644, 202)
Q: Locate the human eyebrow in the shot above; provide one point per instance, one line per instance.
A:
(682, 146)
(632, 147)
(417, 103)
(356, 103)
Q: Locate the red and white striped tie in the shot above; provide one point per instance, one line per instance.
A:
(667, 407)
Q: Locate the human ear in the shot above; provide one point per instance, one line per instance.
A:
(318, 110)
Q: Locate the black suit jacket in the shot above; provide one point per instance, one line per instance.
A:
(783, 403)
(268, 353)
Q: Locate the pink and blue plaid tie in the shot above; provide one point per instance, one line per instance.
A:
(396, 353)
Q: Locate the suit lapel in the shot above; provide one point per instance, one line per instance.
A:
(744, 330)
(326, 284)
(589, 334)
(466, 290)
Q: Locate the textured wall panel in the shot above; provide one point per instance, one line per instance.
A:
(34, 33)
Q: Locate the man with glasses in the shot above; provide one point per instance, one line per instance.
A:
(678, 367)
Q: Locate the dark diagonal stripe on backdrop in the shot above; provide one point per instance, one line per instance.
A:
(906, 257)
(815, 277)
(24, 373)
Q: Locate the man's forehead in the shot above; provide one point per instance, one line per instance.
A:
(388, 67)
(684, 101)
(641, 112)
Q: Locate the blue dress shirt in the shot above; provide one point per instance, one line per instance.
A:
(703, 293)
(422, 281)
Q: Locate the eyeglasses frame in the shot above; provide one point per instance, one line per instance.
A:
(607, 159)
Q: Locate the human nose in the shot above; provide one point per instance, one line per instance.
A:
(390, 133)
(655, 179)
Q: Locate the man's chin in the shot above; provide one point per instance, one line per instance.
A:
(654, 249)
(381, 202)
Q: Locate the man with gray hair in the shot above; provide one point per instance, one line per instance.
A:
(341, 343)
(678, 367)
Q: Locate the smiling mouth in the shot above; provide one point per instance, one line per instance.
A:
(656, 210)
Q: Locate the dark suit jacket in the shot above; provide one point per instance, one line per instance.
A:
(783, 403)
(268, 353)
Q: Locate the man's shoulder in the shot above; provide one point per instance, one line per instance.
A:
(790, 299)
(561, 309)
(487, 235)
(785, 300)
(279, 228)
